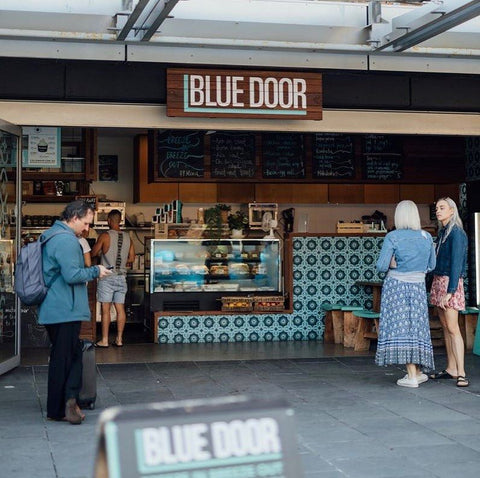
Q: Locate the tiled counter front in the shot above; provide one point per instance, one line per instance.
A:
(325, 269)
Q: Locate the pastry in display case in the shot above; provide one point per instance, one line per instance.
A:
(183, 270)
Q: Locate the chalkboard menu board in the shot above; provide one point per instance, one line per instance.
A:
(91, 200)
(179, 154)
(333, 156)
(382, 144)
(283, 156)
(382, 157)
(232, 155)
(382, 167)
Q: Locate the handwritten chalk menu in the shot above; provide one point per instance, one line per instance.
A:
(232, 155)
(217, 437)
(91, 200)
(283, 156)
(382, 157)
(333, 156)
(180, 154)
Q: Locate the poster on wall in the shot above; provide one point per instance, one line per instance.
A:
(43, 147)
(108, 168)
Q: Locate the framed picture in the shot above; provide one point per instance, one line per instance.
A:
(108, 168)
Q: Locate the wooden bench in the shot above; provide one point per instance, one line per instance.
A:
(350, 325)
(467, 321)
(476, 342)
(367, 329)
(333, 324)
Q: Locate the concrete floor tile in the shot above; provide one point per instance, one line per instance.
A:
(379, 466)
(351, 418)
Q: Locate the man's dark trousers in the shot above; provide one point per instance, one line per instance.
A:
(64, 368)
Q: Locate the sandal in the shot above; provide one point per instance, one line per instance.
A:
(462, 381)
(441, 375)
(100, 346)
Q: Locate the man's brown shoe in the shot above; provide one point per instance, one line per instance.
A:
(71, 413)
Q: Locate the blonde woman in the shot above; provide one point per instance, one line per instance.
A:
(447, 291)
(404, 334)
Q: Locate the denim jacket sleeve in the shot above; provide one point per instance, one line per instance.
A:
(432, 260)
(386, 254)
(457, 254)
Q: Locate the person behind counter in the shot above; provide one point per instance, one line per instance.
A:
(82, 238)
(116, 252)
(404, 332)
(447, 291)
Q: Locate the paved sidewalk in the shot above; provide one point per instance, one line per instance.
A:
(352, 420)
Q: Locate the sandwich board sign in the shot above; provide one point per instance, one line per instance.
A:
(223, 437)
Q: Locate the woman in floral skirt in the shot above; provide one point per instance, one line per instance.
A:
(404, 334)
(447, 287)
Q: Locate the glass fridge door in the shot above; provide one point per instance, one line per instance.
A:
(226, 265)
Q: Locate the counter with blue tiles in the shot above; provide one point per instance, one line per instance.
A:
(325, 269)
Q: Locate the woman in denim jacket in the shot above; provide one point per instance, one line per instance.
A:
(404, 333)
(447, 291)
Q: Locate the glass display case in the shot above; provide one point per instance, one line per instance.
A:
(191, 267)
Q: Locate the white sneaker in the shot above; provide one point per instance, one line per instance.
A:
(408, 382)
(421, 378)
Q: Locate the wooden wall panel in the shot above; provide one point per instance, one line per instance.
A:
(143, 190)
(381, 193)
(418, 193)
(236, 192)
(447, 190)
(310, 194)
(346, 193)
(279, 193)
(197, 192)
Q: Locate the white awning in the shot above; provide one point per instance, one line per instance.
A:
(436, 36)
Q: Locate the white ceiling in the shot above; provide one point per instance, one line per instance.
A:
(271, 33)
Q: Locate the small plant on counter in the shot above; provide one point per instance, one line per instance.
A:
(224, 207)
(223, 210)
(213, 222)
(238, 220)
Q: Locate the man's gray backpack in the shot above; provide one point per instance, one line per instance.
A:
(29, 283)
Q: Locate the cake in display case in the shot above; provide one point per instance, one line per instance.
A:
(183, 270)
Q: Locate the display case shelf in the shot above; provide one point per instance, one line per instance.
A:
(184, 274)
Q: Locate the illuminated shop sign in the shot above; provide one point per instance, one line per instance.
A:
(244, 94)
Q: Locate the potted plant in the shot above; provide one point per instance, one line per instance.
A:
(237, 222)
(213, 222)
(224, 209)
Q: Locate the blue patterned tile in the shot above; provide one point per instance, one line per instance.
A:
(328, 275)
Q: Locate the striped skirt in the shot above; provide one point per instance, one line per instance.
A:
(404, 335)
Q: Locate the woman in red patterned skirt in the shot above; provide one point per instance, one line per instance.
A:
(447, 292)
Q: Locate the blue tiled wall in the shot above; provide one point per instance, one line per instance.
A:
(325, 269)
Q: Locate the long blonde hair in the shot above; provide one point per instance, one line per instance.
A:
(454, 220)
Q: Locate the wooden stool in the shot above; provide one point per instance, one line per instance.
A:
(367, 329)
(350, 324)
(333, 317)
(467, 321)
